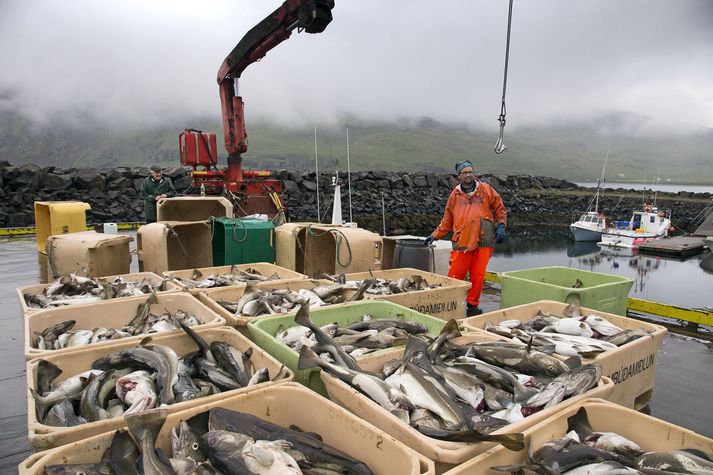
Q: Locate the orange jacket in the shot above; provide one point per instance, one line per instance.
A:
(471, 218)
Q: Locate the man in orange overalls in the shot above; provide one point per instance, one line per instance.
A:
(472, 210)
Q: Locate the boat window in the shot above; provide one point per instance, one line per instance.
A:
(588, 219)
(652, 219)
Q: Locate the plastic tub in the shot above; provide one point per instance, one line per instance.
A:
(632, 367)
(445, 454)
(414, 253)
(604, 292)
(264, 268)
(114, 314)
(444, 302)
(42, 436)
(193, 208)
(170, 245)
(168, 287)
(210, 298)
(88, 253)
(242, 241)
(649, 433)
(263, 330)
(59, 217)
(340, 429)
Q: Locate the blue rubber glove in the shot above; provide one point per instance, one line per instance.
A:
(500, 234)
(429, 240)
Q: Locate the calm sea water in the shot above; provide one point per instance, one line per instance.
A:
(668, 187)
(687, 283)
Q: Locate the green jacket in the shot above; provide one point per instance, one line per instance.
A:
(150, 190)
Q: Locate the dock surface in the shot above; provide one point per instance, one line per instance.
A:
(677, 246)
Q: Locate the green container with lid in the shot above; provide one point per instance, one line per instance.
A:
(604, 292)
(242, 241)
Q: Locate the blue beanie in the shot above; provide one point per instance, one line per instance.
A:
(461, 165)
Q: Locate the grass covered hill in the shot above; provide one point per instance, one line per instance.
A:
(575, 152)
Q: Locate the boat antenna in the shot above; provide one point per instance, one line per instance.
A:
(499, 145)
(656, 182)
(599, 182)
(349, 179)
(316, 173)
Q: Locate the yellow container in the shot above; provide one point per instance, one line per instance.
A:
(340, 429)
(59, 217)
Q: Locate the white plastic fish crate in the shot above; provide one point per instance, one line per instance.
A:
(649, 433)
(233, 293)
(114, 314)
(264, 268)
(444, 302)
(42, 436)
(339, 428)
(632, 367)
(168, 287)
(446, 454)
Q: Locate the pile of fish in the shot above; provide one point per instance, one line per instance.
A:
(582, 451)
(569, 334)
(461, 393)
(218, 441)
(257, 302)
(382, 286)
(140, 378)
(356, 339)
(61, 335)
(236, 276)
(74, 289)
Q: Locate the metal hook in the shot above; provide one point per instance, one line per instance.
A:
(499, 145)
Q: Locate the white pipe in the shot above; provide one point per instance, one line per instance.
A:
(349, 180)
(316, 173)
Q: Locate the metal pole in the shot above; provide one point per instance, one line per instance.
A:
(349, 180)
(316, 172)
(383, 215)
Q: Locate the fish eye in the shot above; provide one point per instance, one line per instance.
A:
(194, 446)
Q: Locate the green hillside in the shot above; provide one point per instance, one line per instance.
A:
(575, 152)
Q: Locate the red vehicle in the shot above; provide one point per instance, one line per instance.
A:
(252, 191)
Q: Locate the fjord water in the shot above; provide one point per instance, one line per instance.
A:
(684, 365)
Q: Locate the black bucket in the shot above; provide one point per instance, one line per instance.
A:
(415, 254)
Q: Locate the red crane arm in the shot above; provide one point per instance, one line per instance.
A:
(312, 16)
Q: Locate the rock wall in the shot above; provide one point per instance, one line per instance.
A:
(413, 202)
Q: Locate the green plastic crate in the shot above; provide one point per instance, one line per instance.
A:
(242, 241)
(604, 292)
(262, 332)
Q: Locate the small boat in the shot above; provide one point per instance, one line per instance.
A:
(646, 224)
(591, 224)
(589, 227)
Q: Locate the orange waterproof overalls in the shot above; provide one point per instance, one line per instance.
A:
(472, 220)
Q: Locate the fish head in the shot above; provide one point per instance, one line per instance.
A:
(185, 443)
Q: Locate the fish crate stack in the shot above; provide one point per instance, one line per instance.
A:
(237, 275)
(222, 299)
(604, 292)
(257, 412)
(316, 249)
(265, 331)
(73, 290)
(113, 318)
(88, 253)
(440, 296)
(173, 245)
(446, 454)
(631, 366)
(650, 434)
(126, 356)
(193, 208)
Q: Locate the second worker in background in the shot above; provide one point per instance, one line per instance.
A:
(476, 214)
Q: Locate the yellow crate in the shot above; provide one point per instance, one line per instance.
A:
(59, 217)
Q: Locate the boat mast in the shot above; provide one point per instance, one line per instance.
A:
(599, 182)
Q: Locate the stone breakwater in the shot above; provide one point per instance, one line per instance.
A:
(413, 202)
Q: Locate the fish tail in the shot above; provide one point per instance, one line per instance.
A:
(302, 317)
(580, 423)
(308, 359)
(514, 442)
(146, 425)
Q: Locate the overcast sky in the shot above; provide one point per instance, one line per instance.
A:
(140, 61)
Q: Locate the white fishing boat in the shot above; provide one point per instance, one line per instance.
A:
(646, 224)
(591, 224)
